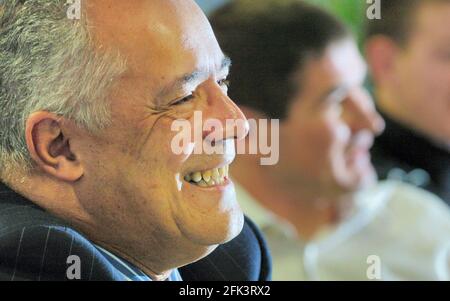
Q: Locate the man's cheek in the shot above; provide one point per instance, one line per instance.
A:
(179, 149)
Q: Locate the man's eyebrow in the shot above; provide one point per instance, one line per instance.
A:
(191, 78)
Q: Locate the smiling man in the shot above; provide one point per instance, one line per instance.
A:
(85, 140)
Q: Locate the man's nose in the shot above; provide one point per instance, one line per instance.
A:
(220, 107)
(363, 114)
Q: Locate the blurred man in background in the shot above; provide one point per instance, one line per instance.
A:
(321, 208)
(408, 51)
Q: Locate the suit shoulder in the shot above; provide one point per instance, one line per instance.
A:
(37, 246)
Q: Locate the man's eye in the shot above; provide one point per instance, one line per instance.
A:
(184, 100)
(223, 83)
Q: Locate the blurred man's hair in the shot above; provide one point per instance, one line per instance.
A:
(270, 41)
(397, 19)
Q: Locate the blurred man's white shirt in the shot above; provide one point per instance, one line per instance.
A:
(397, 232)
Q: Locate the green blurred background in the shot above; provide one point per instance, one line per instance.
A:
(350, 11)
(353, 12)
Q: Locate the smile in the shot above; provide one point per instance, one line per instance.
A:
(208, 178)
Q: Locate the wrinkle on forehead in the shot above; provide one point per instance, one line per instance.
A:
(139, 27)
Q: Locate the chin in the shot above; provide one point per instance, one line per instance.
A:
(367, 179)
(209, 216)
(363, 173)
(214, 229)
(234, 228)
(356, 181)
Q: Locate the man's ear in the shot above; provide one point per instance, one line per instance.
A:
(381, 55)
(50, 148)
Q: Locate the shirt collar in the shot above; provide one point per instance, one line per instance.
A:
(367, 203)
(261, 216)
(129, 271)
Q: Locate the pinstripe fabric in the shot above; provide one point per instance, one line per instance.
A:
(36, 246)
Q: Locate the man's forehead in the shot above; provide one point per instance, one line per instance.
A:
(156, 36)
(126, 24)
(170, 9)
(433, 19)
(342, 60)
(349, 62)
(331, 75)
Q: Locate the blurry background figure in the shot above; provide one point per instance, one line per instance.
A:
(350, 11)
(409, 54)
(321, 208)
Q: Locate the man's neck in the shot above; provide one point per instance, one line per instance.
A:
(389, 107)
(307, 210)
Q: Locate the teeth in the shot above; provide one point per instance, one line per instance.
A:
(215, 174)
(196, 177)
(207, 175)
(212, 177)
(221, 172)
(202, 184)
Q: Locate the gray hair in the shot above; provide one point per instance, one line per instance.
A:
(48, 63)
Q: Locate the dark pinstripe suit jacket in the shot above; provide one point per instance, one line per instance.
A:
(34, 245)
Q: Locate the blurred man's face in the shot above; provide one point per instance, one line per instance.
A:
(421, 81)
(332, 123)
(134, 185)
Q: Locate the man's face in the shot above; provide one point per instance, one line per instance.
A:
(134, 186)
(333, 122)
(421, 81)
